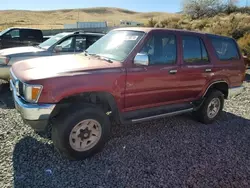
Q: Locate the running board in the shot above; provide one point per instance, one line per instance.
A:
(162, 115)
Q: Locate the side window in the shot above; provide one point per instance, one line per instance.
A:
(194, 50)
(225, 48)
(91, 40)
(13, 34)
(33, 34)
(204, 52)
(161, 49)
(67, 45)
(27, 34)
(80, 43)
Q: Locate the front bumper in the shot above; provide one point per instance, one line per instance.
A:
(36, 115)
(235, 91)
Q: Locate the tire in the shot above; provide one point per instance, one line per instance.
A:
(67, 133)
(202, 114)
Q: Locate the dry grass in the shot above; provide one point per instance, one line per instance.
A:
(56, 19)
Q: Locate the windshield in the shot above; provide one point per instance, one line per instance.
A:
(4, 31)
(116, 45)
(51, 41)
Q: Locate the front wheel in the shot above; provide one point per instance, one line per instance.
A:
(80, 133)
(211, 108)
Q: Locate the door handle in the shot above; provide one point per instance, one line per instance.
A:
(174, 71)
(208, 70)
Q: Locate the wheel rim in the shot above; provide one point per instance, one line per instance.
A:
(213, 108)
(85, 135)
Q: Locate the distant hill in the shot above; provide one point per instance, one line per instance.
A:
(56, 18)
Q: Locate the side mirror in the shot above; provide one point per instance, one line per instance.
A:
(58, 48)
(141, 59)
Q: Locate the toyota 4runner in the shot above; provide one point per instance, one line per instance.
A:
(129, 75)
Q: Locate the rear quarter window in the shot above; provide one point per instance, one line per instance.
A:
(29, 34)
(225, 48)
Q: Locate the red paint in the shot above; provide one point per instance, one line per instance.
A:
(133, 87)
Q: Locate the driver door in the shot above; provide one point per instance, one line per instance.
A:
(157, 83)
(67, 46)
(11, 39)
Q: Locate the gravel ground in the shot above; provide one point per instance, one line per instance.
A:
(171, 152)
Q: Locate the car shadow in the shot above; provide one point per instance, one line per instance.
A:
(247, 78)
(171, 152)
(6, 99)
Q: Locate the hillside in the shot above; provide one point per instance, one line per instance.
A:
(56, 18)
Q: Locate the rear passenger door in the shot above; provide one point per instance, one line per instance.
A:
(196, 67)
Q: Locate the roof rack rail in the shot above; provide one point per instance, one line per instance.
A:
(77, 32)
(82, 31)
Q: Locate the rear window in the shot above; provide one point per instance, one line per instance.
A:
(225, 48)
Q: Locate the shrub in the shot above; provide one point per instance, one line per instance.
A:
(151, 22)
(202, 8)
(244, 44)
(172, 22)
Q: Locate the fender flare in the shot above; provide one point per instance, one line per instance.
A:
(213, 83)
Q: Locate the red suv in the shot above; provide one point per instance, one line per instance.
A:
(129, 75)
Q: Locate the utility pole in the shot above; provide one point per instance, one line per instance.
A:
(78, 18)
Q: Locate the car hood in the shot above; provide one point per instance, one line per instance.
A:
(56, 66)
(20, 50)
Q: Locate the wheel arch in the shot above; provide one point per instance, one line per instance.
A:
(103, 99)
(220, 85)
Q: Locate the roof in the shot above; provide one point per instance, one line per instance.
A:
(23, 28)
(84, 33)
(148, 29)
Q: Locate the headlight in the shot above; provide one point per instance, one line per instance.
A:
(32, 92)
(4, 60)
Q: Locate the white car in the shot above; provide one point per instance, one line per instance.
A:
(60, 44)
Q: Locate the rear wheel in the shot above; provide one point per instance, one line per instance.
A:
(211, 108)
(82, 132)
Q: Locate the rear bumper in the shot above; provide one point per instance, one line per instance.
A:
(235, 91)
(35, 115)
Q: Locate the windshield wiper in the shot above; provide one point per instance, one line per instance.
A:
(86, 53)
(101, 57)
(37, 46)
(95, 55)
(106, 59)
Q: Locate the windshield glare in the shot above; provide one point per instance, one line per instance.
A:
(4, 31)
(116, 45)
(51, 41)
